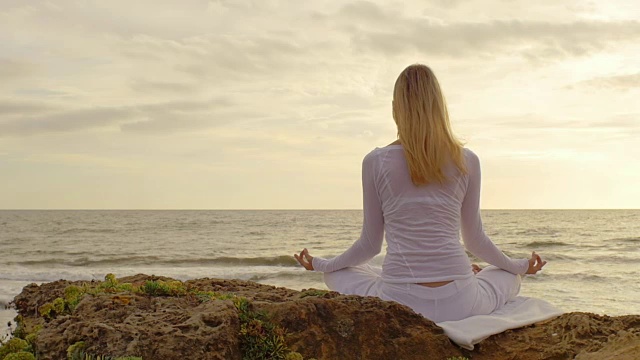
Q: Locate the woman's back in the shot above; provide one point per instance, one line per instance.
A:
(421, 223)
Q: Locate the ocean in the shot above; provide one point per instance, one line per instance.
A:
(593, 255)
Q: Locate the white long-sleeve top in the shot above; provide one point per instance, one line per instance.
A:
(422, 223)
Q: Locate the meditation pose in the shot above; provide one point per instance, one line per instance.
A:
(421, 192)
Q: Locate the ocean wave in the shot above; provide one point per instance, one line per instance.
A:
(557, 256)
(547, 243)
(539, 232)
(587, 278)
(87, 230)
(276, 275)
(4, 303)
(27, 277)
(256, 233)
(283, 260)
(627, 239)
(617, 259)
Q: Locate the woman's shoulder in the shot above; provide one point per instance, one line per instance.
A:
(472, 160)
(377, 154)
(371, 156)
(381, 151)
(469, 155)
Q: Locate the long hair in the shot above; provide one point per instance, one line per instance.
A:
(420, 113)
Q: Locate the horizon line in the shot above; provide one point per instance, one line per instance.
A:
(282, 209)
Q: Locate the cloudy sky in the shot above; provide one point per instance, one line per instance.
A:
(253, 104)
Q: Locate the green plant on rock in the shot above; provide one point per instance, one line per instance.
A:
(204, 296)
(259, 337)
(126, 287)
(14, 345)
(155, 288)
(31, 340)
(23, 355)
(163, 288)
(226, 296)
(313, 292)
(46, 311)
(72, 296)
(53, 309)
(293, 356)
(74, 351)
(29, 335)
(111, 285)
(242, 305)
(110, 282)
(59, 305)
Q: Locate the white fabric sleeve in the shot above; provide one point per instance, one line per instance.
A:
(473, 235)
(370, 242)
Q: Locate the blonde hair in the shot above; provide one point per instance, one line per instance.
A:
(420, 113)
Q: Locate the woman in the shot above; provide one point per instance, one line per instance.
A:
(420, 191)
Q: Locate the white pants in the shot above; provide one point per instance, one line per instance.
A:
(479, 294)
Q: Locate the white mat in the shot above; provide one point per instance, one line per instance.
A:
(520, 312)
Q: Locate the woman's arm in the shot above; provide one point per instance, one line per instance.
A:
(370, 242)
(473, 235)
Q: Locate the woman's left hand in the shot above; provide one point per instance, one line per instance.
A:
(476, 269)
(305, 259)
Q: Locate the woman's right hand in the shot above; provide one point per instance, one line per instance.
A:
(535, 264)
(305, 259)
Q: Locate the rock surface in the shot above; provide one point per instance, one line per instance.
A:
(320, 325)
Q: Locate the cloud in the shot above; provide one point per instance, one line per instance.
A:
(171, 122)
(448, 4)
(30, 118)
(185, 116)
(85, 160)
(12, 69)
(367, 11)
(616, 82)
(537, 121)
(17, 107)
(66, 121)
(627, 124)
(383, 30)
(148, 86)
(530, 39)
(212, 59)
(536, 125)
(112, 17)
(188, 105)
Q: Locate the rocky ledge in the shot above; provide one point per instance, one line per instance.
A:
(154, 317)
